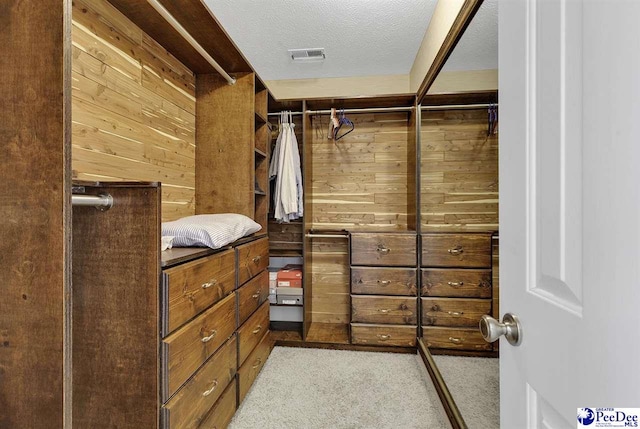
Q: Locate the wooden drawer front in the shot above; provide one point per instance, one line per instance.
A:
(250, 333)
(187, 407)
(382, 309)
(252, 295)
(383, 249)
(250, 369)
(454, 338)
(456, 283)
(252, 258)
(194, 286)
(384, 335)
(465, 313)
(456, 250)
(222, 412)
(383, 281)
(190, 346)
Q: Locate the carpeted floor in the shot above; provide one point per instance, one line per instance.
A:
(474, 384)
(312, 388)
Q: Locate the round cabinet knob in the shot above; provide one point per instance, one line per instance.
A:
(510, 327)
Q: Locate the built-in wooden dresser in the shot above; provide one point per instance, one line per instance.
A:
(384, 308)
(456, 289)
(168, 339)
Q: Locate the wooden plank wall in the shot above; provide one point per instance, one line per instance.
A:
(357, 183)
(459, 190)
(133, 107)
(360, 181)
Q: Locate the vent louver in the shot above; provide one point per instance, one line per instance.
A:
(314, 54)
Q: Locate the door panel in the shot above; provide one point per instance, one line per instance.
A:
(569, 226)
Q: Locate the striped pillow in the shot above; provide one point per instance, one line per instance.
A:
(210, 230)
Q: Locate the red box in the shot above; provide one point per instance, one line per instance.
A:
(289, 277)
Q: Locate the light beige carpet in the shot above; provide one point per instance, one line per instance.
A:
(474, 384)
(311, 388)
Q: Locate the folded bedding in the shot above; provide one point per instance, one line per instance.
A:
(209, 230)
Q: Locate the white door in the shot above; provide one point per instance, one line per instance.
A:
(569, 207)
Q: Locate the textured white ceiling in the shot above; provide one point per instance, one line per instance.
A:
(478, 47)
(360, 37)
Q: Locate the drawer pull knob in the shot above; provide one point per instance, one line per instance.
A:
(213, 387)
(256, 259)
(456, 250)
(256, 295)
(210, 337)
(383, 250)
(210, 283)
(255, 331)
(455, 340)
(455, 313)
(454, 284)
(257, 363)
(384, 282)
(384, 337)
(384, 310)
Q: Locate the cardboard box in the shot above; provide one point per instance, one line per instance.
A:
(290, 295)
(290, 278)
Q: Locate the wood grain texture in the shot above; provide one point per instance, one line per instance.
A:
(188, 348)
(383, 335)
(252, 258)
(328, 272)
(252, 295)
(307, 246)
(383, 281)
(225, 152)
(459, 183)
(456, 283)
(222, 412)
(194, 286)
(457, 312)
(456, 250)
(196, 18)
(495, 275)
(248, 371)
(285, 238)
(454, 338)
(133, 107)
(360, 182)
(190, 405)
(115, 319)
(35, 184)
(384, 310)
(332, 333)
(252, 331)
(383, 249)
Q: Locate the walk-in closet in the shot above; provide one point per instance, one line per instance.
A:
(240, 214)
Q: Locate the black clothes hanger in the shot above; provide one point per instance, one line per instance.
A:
(343, 121)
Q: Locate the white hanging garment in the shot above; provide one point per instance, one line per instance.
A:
(285, 167)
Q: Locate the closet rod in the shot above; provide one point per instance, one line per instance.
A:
(364, 110)
(458, 106)
(292, 113)
(101, 202)
(180, 29)
(326, 235)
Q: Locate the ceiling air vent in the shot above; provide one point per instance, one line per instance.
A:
(314, 54)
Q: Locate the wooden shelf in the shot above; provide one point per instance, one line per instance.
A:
(261, 193)
(261, 118)
(333, 333)
(260, 153)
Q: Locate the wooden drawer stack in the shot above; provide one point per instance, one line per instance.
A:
(383, 289)
(254, 342)
(456, 289)
(209, 329)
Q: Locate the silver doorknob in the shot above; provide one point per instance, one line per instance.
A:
(510, 327)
